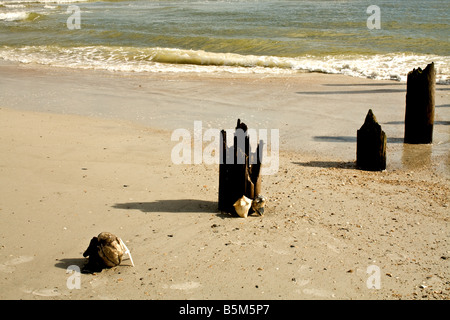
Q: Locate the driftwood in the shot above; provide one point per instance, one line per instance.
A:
(371, 145)
(419, 115)
(239, 169)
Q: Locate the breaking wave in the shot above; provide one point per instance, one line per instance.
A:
(19, 16)
(132, 59)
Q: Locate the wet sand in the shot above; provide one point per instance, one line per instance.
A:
(313, 112)
(84, 152)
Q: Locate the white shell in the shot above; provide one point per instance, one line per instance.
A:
(127, 251)
(242, 206)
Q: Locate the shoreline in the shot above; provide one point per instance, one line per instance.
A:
(80, 155)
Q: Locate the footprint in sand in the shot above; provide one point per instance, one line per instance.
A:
(43, 292)
(302, 282)
(319, 293)
(8, 266)
(184, 286)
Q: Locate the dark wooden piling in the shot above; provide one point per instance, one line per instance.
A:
(239, 170)
(419, 114)
(371, 145)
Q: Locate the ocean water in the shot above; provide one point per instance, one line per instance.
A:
(236, 36)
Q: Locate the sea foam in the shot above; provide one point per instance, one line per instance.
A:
(131, 59)
(14, 16)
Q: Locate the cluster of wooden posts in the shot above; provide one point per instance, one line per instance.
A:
(239, 169)
(241, 175)
(419, 120)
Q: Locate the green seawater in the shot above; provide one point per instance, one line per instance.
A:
(235, 35)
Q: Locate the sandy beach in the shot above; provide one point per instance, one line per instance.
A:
(87, 151)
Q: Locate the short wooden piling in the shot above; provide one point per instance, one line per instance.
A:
(371, 145)
(239, 170)
(419, 114)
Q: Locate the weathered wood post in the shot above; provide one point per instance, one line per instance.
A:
(239, 169)
(371, 145)
(419, 115)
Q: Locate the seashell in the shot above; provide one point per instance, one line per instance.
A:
(105, 250)
(242, 206)
(127, 251)
(110, 249)
(258, 204)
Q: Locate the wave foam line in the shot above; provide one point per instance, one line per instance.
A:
(379, 67)
(19, 16)
(18, 2)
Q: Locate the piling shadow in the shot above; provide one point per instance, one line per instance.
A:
(394, 123)
(352, 91)
(173, 206)
(364, 84)
(438, 123)
(394, 140)
(328, 164)
(351, 139)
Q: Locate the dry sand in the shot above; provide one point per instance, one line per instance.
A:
(83, 152)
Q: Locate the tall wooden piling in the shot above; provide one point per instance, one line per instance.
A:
(419, 114)
(239, 169)
(371, 145)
